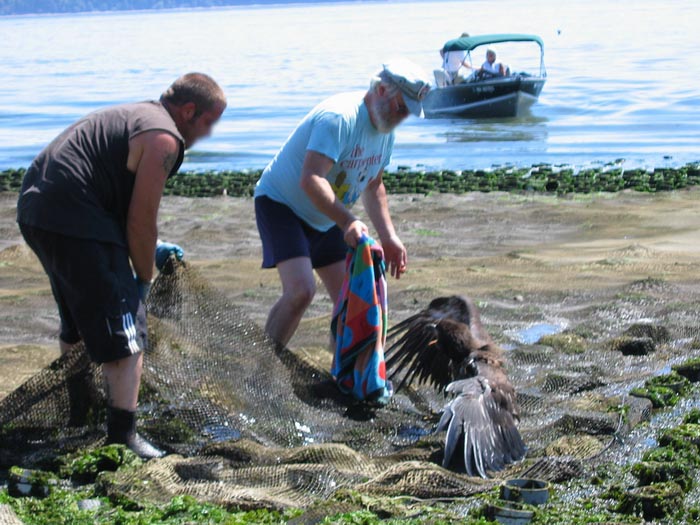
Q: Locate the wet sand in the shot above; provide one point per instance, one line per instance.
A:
(523, 254)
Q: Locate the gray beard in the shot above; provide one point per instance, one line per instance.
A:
(380, 121)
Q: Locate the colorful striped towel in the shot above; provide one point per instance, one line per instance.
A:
(359, 325)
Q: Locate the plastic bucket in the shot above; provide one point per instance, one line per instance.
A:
(510, 514)
(530, 491)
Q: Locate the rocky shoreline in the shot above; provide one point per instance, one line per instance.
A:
(541, 178)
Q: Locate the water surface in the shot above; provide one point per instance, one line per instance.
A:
(622, 75)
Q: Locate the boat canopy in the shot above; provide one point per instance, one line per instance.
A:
(467, 43)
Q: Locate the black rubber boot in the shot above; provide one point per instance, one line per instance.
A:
(78, 398)
(121, 429)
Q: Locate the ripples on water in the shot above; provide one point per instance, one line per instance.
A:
(622, 76)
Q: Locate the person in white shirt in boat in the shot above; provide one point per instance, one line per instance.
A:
(491, 67)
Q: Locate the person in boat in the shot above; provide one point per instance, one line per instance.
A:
(453, 62)
(304, 197)
(492, 68)
(88, 208)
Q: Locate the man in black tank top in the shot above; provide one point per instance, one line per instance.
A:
(88, 208)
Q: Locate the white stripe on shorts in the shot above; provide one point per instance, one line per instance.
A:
(130, 331)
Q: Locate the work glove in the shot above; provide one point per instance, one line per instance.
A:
(163, 252)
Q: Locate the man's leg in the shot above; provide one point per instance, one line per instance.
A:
(65, 347)
(332, 277)
(44, 245)
(101, 296)
(298, 289)
(97, 300)
(79, 384)
(122, 380)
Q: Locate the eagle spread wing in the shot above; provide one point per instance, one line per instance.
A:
(446, 346)
(411, 344)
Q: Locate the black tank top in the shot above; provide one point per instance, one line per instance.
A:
(79, 185)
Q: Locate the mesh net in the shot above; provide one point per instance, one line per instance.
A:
(8, 517)
(251, 424)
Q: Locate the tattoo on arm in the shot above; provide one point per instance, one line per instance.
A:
(169, 160)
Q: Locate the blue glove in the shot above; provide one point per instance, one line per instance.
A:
(164, 250)
(143, 287)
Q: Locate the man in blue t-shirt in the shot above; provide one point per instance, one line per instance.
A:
(304, 197)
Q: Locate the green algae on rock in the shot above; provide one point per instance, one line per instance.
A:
(648, 472)
(693, 416)
(566, 342)
(657, 333)
(683, 437)
(30, 483)
(627, 345)
(83, 467)
(664, 390)
(667, 454)
(674, 381)
(660, 396)
(690, 369)
(61, 508)
(653, 501)
(541, 178)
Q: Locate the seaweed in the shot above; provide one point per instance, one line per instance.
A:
(539, 178)
(664, 390)
(566, 342)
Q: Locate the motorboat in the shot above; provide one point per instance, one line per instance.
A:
(483, 93)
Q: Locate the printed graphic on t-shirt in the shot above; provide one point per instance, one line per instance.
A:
(340, 188)
(356, 172)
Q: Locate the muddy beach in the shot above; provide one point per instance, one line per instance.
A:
(613, 272)
(527, 259)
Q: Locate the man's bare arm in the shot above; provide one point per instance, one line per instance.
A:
(159, 152)
(316, 186)
(375, 203)
(314, 183)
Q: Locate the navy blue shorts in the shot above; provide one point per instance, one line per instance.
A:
(94, 288)
(285, 236)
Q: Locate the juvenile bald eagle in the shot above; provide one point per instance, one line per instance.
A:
(447, 347)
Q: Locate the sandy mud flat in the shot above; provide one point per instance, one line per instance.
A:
(523, 254)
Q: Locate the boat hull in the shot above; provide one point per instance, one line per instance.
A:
(493, 98)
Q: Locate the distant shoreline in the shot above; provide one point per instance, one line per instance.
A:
(544, 178)
(59, 7)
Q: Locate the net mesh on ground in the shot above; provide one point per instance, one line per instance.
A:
(250, 424)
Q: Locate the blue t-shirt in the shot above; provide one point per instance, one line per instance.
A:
(340, 129)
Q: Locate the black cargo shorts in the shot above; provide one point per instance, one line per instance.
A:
(94, 288)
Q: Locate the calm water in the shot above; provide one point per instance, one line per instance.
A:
(622, 76)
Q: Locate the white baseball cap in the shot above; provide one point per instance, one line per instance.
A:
(410, 79)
